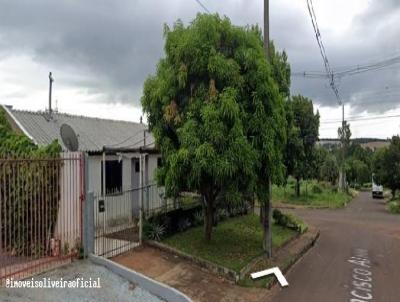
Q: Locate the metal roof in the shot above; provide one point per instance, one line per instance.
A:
(93, 133)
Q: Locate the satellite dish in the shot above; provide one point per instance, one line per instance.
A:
(69, 137)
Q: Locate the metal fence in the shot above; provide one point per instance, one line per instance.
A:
(40, 213)
(117, 217)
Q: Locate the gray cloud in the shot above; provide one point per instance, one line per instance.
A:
(110, 47)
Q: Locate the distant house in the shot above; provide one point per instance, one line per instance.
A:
(121, 143)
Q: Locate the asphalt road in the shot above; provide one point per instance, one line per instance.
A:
(356, 259)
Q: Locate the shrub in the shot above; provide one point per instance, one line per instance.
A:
(394, 207)
(198, 218)
(316, 189)
(183, 224)
(289, 221)
(153, 231)
(222, 214)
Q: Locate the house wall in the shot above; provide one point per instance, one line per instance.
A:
(122, 208)
(151, 167)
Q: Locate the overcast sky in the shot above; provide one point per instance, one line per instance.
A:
(101, 51)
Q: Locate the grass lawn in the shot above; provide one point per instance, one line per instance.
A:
(235, 241)
(324, 196)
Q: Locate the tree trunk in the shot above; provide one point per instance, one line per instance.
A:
(266, 221)
(208, 218)
(393, 193)
(297, 187)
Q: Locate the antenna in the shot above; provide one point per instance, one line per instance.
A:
(69, 137)
(51, 80)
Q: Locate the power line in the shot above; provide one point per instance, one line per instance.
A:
(120, 143)
(362, 118)
(328, 69)
(350, 70)
(203, 6)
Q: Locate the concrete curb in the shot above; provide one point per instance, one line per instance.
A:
(314, 236)
(158, 289)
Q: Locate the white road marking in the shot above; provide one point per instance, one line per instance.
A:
(276, 271)
(362, 277)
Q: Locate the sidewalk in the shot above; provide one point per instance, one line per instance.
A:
(198, 284)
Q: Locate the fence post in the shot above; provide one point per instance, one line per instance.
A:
(140, 198)
(88, 225)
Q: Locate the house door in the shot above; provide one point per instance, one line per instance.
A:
(135, 182)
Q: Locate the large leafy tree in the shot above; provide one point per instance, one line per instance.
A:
(386, 166)
(301, 143)
(216, 112)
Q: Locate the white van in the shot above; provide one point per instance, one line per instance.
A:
(377, 191)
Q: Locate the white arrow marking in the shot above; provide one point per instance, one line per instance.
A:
(276, 271)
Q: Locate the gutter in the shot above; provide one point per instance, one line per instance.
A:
(8, 111)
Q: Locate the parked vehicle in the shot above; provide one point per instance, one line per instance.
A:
(377, 191)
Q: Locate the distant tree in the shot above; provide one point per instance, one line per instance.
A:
(344, 134)
(301, 143)
(216, 113)
(357, 172)
(363, 154)
(321, 155)
(386, 166)
(330, 169)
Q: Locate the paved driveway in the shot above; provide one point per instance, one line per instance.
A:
(113, 288)
(357, 256)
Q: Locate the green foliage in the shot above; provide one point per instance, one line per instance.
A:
(303, 133)
(216, 112)
(386, 166)
(329, 197)
(153, 231)
(31, 191)
(198, 218)
(394, 207)
(330, 169)
(357, 172)
(288, 220)
(316, 189)
(235, 242)
(344, 134)
(13, 144)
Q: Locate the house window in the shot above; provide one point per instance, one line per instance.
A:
(113, 176)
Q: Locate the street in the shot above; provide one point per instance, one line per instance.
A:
(356, 258)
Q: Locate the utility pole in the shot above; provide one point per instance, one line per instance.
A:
(51, 80)
(266, 28)
(266, 209)
(342, 172)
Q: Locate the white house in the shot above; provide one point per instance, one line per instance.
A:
(128, 148)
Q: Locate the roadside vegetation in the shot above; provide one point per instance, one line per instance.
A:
(234, 244)
(227, 127)
(394, 206)
(387, 166)
(312, 193)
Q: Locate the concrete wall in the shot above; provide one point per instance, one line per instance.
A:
(68, 227)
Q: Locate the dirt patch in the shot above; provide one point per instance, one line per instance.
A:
(199, 284)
